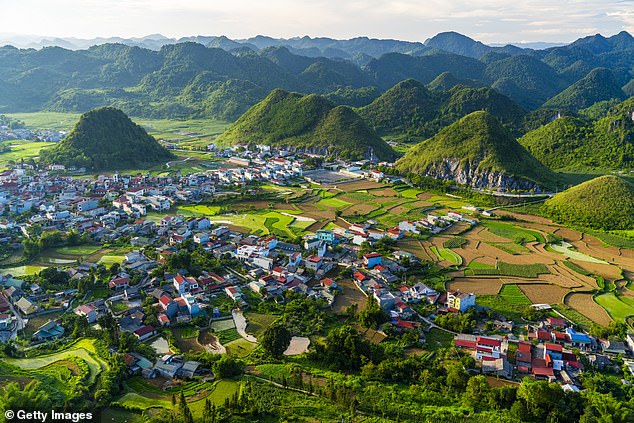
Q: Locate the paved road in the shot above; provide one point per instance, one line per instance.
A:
(241, 326)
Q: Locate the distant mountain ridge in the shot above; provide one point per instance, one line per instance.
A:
(220, 78)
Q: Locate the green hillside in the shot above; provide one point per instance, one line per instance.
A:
(105, 139)
(598, 85)
(572, 143)
(410, 109)
(447, 80)
(478, 151)
(405, 108)
(606, 202)
(310, 123)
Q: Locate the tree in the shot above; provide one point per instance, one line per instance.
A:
(372, 314)
(275, 340)
(477, 393)
(228, 367)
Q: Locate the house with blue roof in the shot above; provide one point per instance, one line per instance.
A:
(578, 339)
(48, 331)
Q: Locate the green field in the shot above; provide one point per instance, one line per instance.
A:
(47, 120)
(334, 203)
(478, 265)
(446, 254)
(455, 242)
(240, 347)
(108, 260)
(22, 270)
(508, 269)
(187, 133)
(198, 209)
(78, 250)
(83, 349)
(576, 268)
(20, 150)
(143, 395)
(514, 295)
(617, 307)
(517, 234)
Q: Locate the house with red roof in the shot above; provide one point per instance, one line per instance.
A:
(314, 263)
(488, 348)
(119, 284)
(144, 332)
(328, 283)
(168, 305)
(163, 319)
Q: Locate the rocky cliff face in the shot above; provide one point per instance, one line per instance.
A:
(470, 175)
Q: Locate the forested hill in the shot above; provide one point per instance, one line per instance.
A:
(606, 203)
(310, 123)
(410, 109)
(105, 139)
(477, 151)
(219, 78)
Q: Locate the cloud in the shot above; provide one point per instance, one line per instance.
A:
(491, 20)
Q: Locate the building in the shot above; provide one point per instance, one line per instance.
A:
(144, 332)
(88, 311)
(372, 259)
(462, 301)
(119, 284)
(49, 331)
(314, 263)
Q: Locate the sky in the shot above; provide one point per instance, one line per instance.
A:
(490, 21)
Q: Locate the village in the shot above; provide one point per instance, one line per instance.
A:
(255, 268)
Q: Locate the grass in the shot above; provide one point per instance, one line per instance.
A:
(477, 265)
(437, 339)
(617, 308)
(118, 307)
(257, 323)
(334, 203)
(108, 260)
(515, 233)
(136, 400)
(446, 254)
(500, 306)
(445, 200)
(508, 269)
(226, 336)
(514, 295)
(567, 250)
(47, 120)
(112, 414)
(21, 149)
(83, 349)
(23, 270)
(198, 209)
(240, 347)
(411, 193)
(572, 266)
(455, 242)
(78, 250)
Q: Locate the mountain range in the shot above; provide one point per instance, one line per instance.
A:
(221, 78)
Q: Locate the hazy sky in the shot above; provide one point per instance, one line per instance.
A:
(416, 20)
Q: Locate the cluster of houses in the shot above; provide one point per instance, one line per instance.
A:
(7, 134)
(552, 350)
